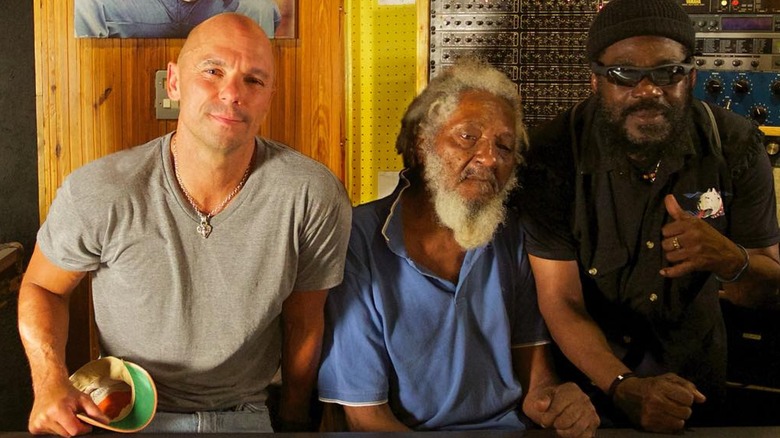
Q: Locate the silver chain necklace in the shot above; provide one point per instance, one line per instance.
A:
(204, 227)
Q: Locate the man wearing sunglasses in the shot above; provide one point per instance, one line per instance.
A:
(641, 203)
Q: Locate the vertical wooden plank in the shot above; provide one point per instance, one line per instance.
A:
(333, 83)
(283, 121)
(54, 91)
(306, 19)
(132, 104)
(101, 97)
(87, 56)
(40, 32)
(72, 138)
(70, 157)
(320, 57)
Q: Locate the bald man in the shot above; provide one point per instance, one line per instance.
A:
(210, 252)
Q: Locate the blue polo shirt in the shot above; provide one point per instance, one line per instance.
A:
(439, 353)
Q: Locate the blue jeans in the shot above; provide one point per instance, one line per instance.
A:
(246, 417)
(164, 18)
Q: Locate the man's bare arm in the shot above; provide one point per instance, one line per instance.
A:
(658, 403)
(303, 324)
(43, 326)
(563, 308)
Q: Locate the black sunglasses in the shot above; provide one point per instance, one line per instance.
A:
(627, 76)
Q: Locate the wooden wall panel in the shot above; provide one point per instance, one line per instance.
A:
(321, 107)
(95, 96)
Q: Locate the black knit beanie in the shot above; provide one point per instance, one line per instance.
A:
(621, 19)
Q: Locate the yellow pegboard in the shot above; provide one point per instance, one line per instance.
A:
(381, 82)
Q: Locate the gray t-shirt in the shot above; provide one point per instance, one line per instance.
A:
(201, 315)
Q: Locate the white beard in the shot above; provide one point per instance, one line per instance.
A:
(473, 223)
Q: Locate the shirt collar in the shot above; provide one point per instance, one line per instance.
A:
(393, 233)
(392, 230)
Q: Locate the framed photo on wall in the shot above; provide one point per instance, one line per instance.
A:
(175, 18)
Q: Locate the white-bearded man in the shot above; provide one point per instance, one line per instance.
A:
(436, 325)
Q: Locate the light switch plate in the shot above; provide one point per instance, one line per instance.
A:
(164, 107)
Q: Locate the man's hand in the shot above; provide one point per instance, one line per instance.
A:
(562, 407)
(55, 408)
(658, 404)
(691, 244)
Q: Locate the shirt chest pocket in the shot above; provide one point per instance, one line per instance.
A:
(604, 268)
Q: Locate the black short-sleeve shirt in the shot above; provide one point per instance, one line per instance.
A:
(581, 201)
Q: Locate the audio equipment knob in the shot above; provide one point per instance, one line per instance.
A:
(773, 147)
(759, 114)
(713, 86)
(775, 88)
(742, 86)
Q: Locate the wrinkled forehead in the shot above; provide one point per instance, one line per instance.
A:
(483, 108)
(250, 57)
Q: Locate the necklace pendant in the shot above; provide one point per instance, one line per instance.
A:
(204, 229)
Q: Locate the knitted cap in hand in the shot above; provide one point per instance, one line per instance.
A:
(621, 19)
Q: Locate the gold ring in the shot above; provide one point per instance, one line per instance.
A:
(676, 243)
